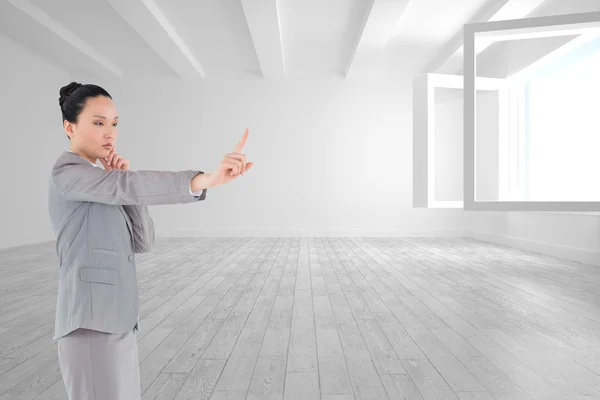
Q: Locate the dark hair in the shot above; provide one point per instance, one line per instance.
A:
(73, 98)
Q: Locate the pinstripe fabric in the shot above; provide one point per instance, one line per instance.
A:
(100, 220)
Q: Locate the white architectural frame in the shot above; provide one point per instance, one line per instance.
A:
(510, 30)
(424, 133)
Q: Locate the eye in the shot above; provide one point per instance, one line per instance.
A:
(98, 123)
(115, 124)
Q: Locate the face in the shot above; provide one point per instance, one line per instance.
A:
(97, 126)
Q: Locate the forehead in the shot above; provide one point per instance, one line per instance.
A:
(101, 105)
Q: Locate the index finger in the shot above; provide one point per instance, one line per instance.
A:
(241, 143)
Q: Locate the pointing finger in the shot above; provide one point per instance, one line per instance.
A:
(242, 142)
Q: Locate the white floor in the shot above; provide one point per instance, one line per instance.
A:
(328, 318)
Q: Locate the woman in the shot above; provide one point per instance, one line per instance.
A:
(100, 219)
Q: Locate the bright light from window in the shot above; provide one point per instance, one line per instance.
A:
(562, 129)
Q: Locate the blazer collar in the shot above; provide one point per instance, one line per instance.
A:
(72, 156)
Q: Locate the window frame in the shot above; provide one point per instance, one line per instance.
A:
(424, 133)
(510, 30)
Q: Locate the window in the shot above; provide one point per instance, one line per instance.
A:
(438, 139)
(561, 128)
(546, 152)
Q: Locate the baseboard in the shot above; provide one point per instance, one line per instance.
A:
(568, 253)
(311, 233)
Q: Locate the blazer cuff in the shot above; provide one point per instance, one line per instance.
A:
(188, 183)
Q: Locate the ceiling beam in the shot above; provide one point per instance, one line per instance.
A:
(150, 23)
(376, 30)
(495, 10)
(263, 21)
(44, 19)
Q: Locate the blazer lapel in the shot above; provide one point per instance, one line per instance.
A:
(127, 220)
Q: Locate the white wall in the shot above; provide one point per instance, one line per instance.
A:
(31, 139)
(568, 235)
(332, 157)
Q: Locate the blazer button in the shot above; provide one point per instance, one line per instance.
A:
(130, 258)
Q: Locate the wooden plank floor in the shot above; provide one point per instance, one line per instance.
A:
(328, 318)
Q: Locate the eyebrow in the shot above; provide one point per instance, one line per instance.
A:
(100, 116)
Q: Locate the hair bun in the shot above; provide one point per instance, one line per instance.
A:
(66, 91)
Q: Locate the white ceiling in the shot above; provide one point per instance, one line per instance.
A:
(200, 39)
(435, 21)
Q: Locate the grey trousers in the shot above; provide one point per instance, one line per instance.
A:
(99, 365)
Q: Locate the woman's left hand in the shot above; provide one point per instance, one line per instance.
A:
(114, 161)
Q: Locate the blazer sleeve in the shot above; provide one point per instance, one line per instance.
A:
(143, 227)
(78, 182)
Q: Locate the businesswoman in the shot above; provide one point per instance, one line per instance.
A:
(100, 218)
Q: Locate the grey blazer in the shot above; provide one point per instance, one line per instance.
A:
(100, 219)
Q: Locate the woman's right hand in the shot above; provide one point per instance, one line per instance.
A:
(232, 165)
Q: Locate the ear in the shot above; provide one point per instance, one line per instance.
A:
(68, 128)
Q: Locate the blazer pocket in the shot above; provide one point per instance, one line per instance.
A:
(109, 276)
(104, 251)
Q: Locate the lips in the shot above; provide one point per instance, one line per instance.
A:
(108, 146)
